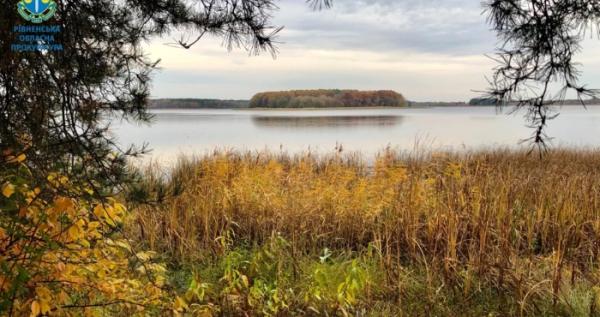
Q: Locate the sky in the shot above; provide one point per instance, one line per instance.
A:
(428, 50)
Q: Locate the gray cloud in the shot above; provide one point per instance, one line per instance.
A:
(425, 49)
(453, 27)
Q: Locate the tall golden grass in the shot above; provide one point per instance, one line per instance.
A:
(508, 218)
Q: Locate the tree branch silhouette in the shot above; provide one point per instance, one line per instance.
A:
(536, 67)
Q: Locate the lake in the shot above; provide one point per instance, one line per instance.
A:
(175, 132)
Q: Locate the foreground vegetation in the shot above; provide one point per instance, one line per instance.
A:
(64, 255)
(492, 233)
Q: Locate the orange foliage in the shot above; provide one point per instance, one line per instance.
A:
(327, 98)
(61, 255)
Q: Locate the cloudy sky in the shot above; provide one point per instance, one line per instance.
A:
(426, 49)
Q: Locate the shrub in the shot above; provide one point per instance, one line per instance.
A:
(60, 254)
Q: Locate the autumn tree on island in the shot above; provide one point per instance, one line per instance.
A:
(322, 98)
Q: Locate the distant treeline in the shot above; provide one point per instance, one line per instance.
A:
(326, 99)
(576, 102)
(482, 102)
(430, 104)
(322, 98)
(566, 102)
(197, 104)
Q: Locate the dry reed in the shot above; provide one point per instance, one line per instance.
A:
(511, 219)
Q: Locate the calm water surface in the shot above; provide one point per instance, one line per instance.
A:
(175, 132)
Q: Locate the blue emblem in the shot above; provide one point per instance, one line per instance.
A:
(36, 11)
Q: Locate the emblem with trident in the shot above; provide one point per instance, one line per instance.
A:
(36, 11)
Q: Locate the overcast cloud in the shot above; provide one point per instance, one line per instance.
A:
(425, 49)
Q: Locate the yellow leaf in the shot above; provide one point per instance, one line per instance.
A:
(111, 212)
(43, 293)
(44, 307)
(179, 304)
(35, 308)
(63, 203)
(8, 189)
(123, 244)
(85, 243)
(74, 232)
(120, 209)
(99, 211)
(16, 159)
(245, 280)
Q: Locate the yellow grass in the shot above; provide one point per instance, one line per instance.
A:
(510, 219)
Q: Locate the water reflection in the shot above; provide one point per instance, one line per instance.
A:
(184, 118)
(384, 121)
(176, 132)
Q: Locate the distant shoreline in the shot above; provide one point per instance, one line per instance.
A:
(322, 108)
(216, 104)
(327, 108)
(358, 108)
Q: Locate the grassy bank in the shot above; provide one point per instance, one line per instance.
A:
(494, 233)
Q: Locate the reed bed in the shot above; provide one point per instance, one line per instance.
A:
(502, 220)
